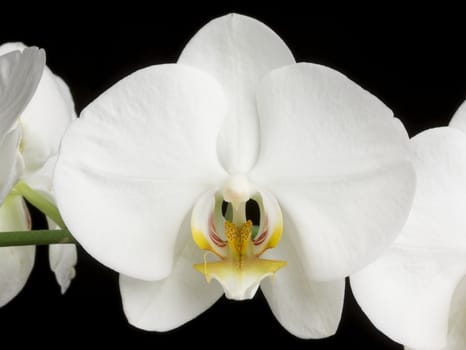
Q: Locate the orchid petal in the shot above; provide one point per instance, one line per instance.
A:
(238, 51)
(66, 96)
(407, 292)
(44, 122)
(459, 118)
(16, 262)
(337, 162)
(62, 260)
(169, 303)
(439, 157)
(11, 164)
(306, 308)
(456, 338)
(42, 179)
(457, 323)
(152, 141)
(20, 74)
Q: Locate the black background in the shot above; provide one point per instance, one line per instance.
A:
(414, 63)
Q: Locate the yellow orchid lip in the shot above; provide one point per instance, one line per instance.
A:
(240, 269)
(240, 280)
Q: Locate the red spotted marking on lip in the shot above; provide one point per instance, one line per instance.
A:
(261, 238)
(213, 235)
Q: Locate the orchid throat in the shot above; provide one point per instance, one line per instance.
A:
(221, 225)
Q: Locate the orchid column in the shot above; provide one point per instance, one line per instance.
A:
(144, 174)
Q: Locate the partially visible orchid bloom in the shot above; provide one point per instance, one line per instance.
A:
(31, 134)
(416, 292)
(155, 176)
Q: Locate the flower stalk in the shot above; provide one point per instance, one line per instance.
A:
(35, 237)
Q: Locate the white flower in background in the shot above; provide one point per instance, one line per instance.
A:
(416, 292)
(235, 120)
(32, 135)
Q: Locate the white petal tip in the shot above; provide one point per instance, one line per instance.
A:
(64, 281)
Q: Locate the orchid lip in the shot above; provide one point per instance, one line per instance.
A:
(235, 239)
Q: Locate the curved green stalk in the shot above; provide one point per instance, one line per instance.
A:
(40, 202)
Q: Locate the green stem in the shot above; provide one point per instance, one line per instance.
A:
(40, 202)
(36, 237)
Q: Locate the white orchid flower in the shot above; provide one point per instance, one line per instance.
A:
(33, 134)
(236, 120)
(416, 292)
